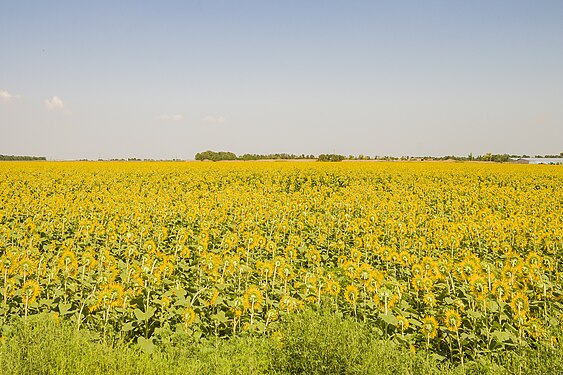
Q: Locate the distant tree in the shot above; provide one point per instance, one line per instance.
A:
(331, 157)
(21, 158)
(215, 156)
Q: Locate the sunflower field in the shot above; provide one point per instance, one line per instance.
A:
(460, 259)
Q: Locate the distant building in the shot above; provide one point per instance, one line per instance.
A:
(519, 161)
(537, 161)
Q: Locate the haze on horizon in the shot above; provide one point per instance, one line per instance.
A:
(169, 79)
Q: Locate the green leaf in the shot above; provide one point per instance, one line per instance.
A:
(221, 317)
(502, 336)
(474, 314)
(139, 315)
(142, 316)
(127, 327)
(146, 345)
(389, 319)
(64, 308)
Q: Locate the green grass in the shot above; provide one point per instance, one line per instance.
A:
(313, 343)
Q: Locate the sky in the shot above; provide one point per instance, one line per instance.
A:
(168, 79)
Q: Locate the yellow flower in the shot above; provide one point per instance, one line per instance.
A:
(501, 290)
(149, 247)
(213, 295)
(429, 327)
(350, 268)
(520, 305)
(402, 323)
(452, 319)
(27, 266)
(10, 287)
(364, 273)
(68, 263)
(332, 287)
(429, 299)
(252, 299)
(478, 286)
(534, 327)
(188, 316)
(351, 294)
(30, 291)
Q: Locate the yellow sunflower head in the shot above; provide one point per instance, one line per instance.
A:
(430, 327)
(452, 319)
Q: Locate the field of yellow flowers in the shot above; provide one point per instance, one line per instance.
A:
(457, 258)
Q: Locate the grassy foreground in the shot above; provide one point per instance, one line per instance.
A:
(310, 343)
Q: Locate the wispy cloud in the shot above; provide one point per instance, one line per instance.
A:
(54, 104)
(213, 119)
(166, 117)
(5, 96)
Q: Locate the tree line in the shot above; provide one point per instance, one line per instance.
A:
(224, 155)
(21, 158)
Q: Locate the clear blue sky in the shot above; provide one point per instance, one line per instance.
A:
(167, 79)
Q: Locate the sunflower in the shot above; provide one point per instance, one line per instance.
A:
(355, 255)
(290, 253)
(501, 290)
(533, 259)
(364, 273)
(402, 323)
(452, 319)
(313, 255)
(88, 260)
(427, 283)
(428, 264)
(10, 286)
(405, 258)
(351, 294)
(115, 294)
(252, 299)
(534, 328)
(429, 299)
(27, 265)
(376, 280)
(519, 305)
(418, 282)
(188, 316)
(30, 291)
(478, 286)
(290, 304)
(468, 268)
(8, 263)
(429, 327)
(271, 246)
(150, 247)
(213, 295)
(266, 268)
(286, 272)
(417, 270)
(350, 268)
(227, 244)
(332, 287)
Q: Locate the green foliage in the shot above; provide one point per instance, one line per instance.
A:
(282, 156)
(42, 345)
(21, 158)
(498, 158)
(311, 342)
(215, 156)
(331, 157)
